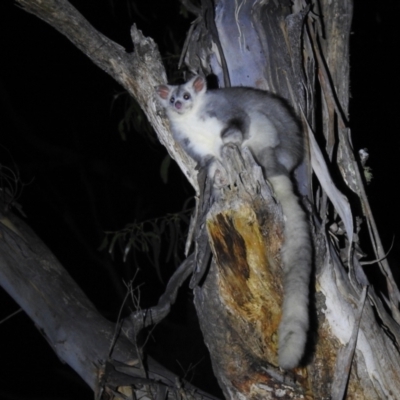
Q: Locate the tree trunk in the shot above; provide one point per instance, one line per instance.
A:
(302, 58)
(299, 51)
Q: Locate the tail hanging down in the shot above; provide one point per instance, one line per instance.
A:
(296, 260)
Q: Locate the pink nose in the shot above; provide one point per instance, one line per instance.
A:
(178, 105)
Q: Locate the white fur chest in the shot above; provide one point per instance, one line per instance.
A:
(201, 136)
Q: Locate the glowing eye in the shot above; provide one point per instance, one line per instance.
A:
(172, 100)
(186, 96)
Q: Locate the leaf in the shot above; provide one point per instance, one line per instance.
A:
(164, 168)
(113, 241)
(171, 241)
(156, 247)
(104, 243)
(162, 226)
(121, 129)
(127, 249)
(176, 243)
(338, 199)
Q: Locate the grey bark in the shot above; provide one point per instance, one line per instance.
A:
(98, 350)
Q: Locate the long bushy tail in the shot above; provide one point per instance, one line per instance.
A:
(296, 258)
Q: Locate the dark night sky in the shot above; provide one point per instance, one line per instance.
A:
(59, 126)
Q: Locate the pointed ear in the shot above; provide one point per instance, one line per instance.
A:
(162, 91)
(199, 84)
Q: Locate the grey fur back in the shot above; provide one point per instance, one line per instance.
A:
(258, 105)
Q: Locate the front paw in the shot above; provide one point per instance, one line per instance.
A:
(218, 174)
(232, 135)
(214, 170)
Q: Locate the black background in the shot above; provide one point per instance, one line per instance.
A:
(59, 127)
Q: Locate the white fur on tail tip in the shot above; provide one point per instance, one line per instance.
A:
(296, 261)
(292, 340)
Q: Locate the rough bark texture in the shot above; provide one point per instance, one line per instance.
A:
(288, 48)
(239, 304)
